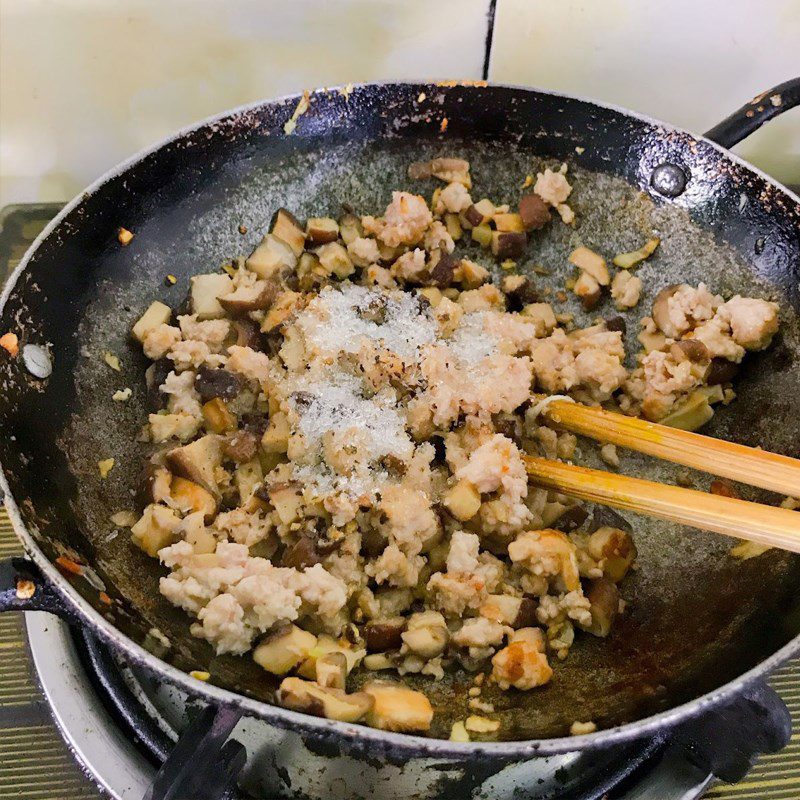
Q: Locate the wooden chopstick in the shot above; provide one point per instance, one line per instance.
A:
(727, 459)
(775, 527)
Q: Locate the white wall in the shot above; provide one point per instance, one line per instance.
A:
(85, 83)
(690, 62)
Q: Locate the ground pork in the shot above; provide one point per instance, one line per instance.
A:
(437, 238)
(547, 553)
(496, 384)
(480, 632)
(363, 251)
(463, 553)
(243, 527)
(211, 331)
(494, 465)
(410, 266)
(626, 289)
(254, 365)
(453, 198)
(522, 666)
(168, 426)
(393, 566)
(552, 187)
(192, 354)
(182, 396)
(686, 308)
(753, 322)
(405, 220)
(159, 341)
(592, 362)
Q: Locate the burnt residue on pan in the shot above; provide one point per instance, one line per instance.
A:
(696, 617)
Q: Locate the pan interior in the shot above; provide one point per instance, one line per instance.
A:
(696, 618)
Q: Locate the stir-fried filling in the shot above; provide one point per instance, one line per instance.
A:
(337, 480)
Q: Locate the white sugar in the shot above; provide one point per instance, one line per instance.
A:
(340, 319)
(471, 342)
(328, 398)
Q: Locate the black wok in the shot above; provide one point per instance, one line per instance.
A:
(700, 624)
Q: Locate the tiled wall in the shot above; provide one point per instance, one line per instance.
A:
(85, 83)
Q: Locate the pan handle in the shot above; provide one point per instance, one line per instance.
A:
(752, 115)
(23, 588)
(721, 743)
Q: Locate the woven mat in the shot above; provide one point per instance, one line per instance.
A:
(36, 765)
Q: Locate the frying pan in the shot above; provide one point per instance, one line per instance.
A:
(701, 626)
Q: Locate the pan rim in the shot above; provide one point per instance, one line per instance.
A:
(361, 735)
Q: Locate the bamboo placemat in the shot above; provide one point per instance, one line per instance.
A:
(36, 765)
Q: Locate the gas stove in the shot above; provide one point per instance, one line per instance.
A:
(121, 725)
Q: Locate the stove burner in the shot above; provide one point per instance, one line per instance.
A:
(622, 779)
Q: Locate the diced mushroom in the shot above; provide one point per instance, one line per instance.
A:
(287, 499)
(482, 234)
(353, 655)
(442, 274)
(382, 635)
(478, 724)
(543, 315)
(271, 257)
(628, 260)
(397, 708)
(331, 669)
(519, 291)
(720, 371)
(154, 485)
(426, 634)
(693, 349)
(480, 213)
(617, 324)
(509, 222)
(247, 333)
(154, 377)
(517, 612)
(472, 275)
(615, 549)
(286, 303)
(157, 314)
(205, 293)
(157, 528)
(463, 500)
(276, 436)
(321, 230)
(535, 213)
(661, 315)
(693, 412)
(311, 698)
(247, 477)
(350, 228)
(241, 446)
(250, 298)
(603, 595)
(451, 170)
(335, 260)
(588, 289)
(286, 227)
(218, 417)
(508, 244)
(217, 383)
(303, 553)
(453, 225)
(593, 263)
(197, 461)
(283, 648)
(189, 497)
